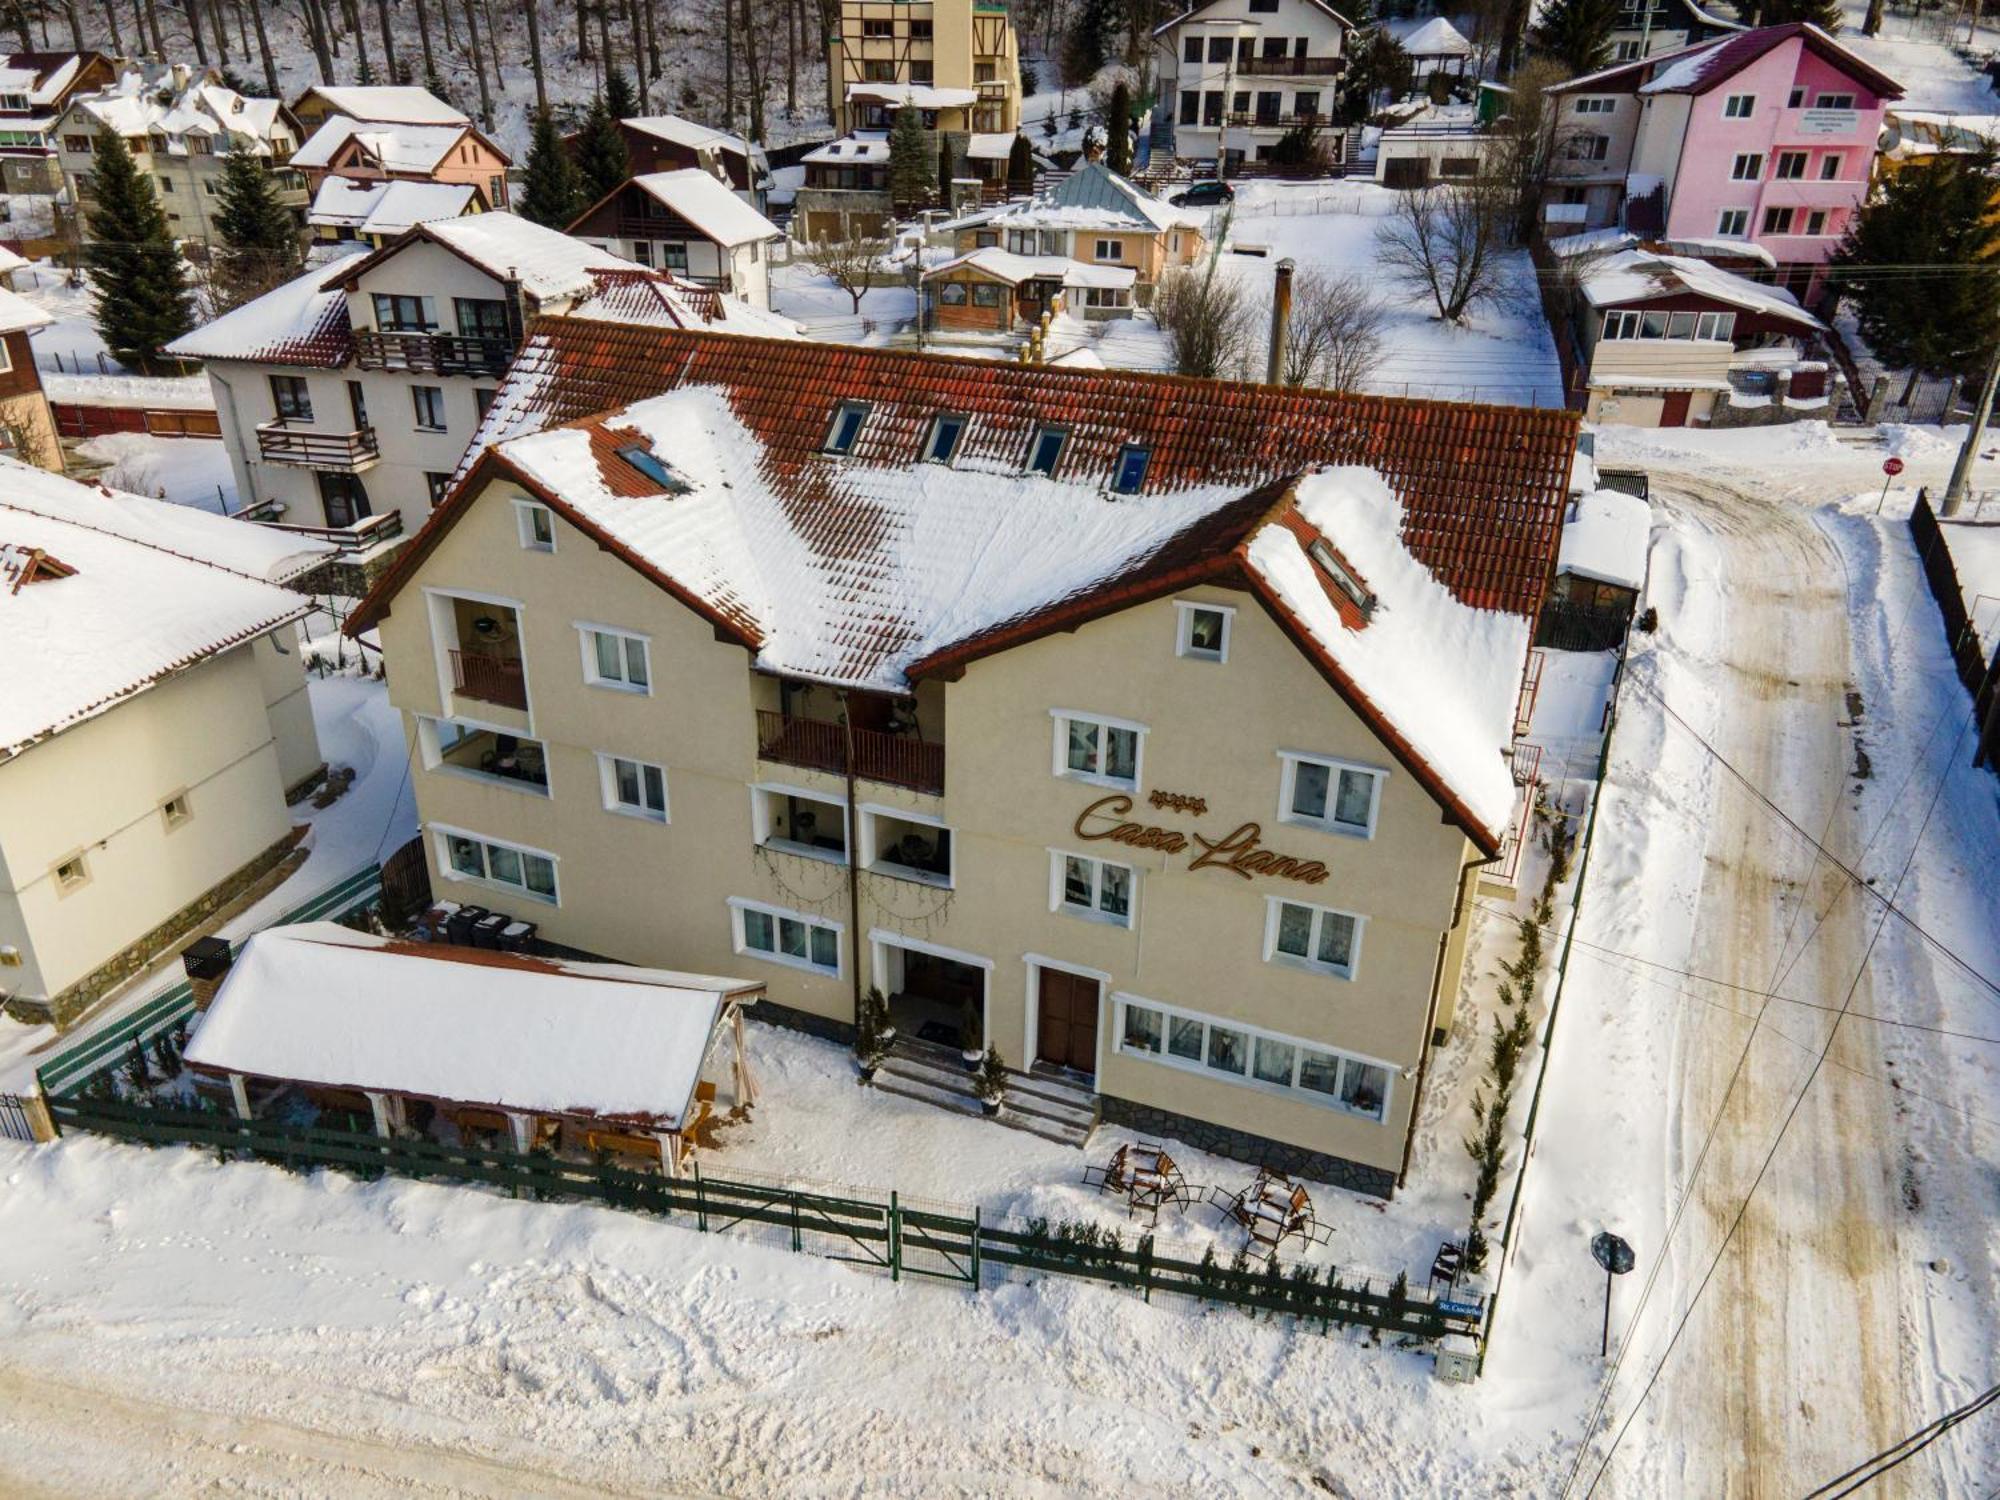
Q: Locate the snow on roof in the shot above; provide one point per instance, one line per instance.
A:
(922, 95)
(1639, 275)
(549, 264)
(9, 261)
(1095, 197)
(146, 589)
(850, 148)
(321, 1003)
(1446, 676)
(231, 121)
(1082, 357)
(1606, 537)
(303, 322)
(1437, 37)
(18, 314)
(688, 133)
(398, 148)
(711, 206)
(400, 105)
(993, 145)
(1015, 269)
(387, 208)
(42, 76)
(1695, 69)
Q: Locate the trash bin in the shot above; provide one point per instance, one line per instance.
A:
(486, 931)
(517, 937)
(458, 928)
(206, 958)
(434, 925)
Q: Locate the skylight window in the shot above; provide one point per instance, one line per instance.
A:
(642, 459)
(1046, 451)
(1130, 472)
(1343, 580)
(846, 427)
(945, 433)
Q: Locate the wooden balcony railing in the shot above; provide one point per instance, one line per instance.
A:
(894, 759)
(282, 442)
(1292, 67)
(432, 353)
(489, 679)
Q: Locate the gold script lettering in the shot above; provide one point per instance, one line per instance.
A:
(1240, 851)
(1138, 835)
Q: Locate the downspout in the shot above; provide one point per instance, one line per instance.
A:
(853, 847)
(1430, 1015)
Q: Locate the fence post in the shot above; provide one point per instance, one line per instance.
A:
(895, 1238)
(975, 1247)
(797, 1243)
(700, 1201)
(1146, 1269)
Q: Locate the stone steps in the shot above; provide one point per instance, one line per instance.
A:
(1055, 1108)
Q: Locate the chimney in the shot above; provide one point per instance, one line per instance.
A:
(1281, 323)
(206, 961)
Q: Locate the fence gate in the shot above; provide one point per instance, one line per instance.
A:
(14, 1118)
(940, 1245)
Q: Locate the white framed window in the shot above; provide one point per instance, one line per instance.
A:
(1335, 795)
(1732, 223)
(1232, 1052)
(176, 810)
(1596, 105)
(1097, 890)
(1739, 106)
(1748, 166)
(946, 430)
(1203, 630)
(905, 845)
(785, 937)
(1714, 326)
(480, 860)
(633, 788)
(1092, 748)
(537, 526)
(1777, 221)
(1834, 101)
(1830, 165)
(72, 873)
(1321, 939)
(841, 433)
(1110, 250)
(797, 821)
(615, 659)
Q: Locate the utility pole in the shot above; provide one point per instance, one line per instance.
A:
(1961, 472)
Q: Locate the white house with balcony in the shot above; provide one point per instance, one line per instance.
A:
(1236, 75)
(691, 223)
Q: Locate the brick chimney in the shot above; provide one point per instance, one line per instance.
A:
(206, 961)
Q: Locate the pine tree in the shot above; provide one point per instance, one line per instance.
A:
(1577, 33)
(1020, 167)
(909, 160)
(1380, 65)
(260, 243)
(944, 169)
(1118, 148)
(554, 192)
(1946, 320)
(1093, 36)
(140, 278)
(601, 157)
(619, 98)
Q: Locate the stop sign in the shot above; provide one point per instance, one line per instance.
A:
(1892, 467)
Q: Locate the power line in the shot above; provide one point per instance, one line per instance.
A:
(1873, 1468)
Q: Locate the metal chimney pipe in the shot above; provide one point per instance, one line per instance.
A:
(1281, 323)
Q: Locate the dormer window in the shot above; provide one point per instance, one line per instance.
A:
(1346, 582)
(946, 430)
(1130, 471)
(641, 458)
(1045, 451)
(846, 427)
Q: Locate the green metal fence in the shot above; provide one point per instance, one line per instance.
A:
(69, 1068)
(885, 1235)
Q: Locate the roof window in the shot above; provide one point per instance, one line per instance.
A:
(1045, 451)
(946, 431)
(1129, 474)
(1345, 581)
(641, 458)
(845, 427)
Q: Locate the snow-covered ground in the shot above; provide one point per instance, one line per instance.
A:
(71, 343)
(187, 471)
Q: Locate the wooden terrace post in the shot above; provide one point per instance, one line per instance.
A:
(746, 1086)
(378, 1105)
(522, 1128)
(241, 1094)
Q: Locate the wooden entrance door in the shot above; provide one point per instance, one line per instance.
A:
(1675, 412)
(1066, 1033)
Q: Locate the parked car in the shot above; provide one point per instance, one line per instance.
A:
(1204, 195)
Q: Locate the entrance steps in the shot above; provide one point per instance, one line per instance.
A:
(1041, 1102)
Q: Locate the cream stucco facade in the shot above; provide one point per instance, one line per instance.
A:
(1196, 947)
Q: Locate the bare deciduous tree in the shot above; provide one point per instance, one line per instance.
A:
(849, 262)
(1336, 331)
(1207, 317)
(1446, 241)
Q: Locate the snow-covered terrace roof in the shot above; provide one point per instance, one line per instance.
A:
(1437, 37)
(323, 1004)
(1640, 275)
(126, 591)
(689, 133)
(989, 145)
(303, 322)
(1004, 265)
(18, 314)
(1605, 538)
(391, 103)
(709, 205)
(850, 148)
(387, 208)
(1595, 241)
(1095, 197)
(398, 148)
(877, 570)
(922, 95)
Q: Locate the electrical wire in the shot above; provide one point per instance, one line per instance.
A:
(1871, 1469)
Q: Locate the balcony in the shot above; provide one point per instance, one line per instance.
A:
(432, 353)
(489, 679)
(1292, 67)
(893, 759)
(283, 441)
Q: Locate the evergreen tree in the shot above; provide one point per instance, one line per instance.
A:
(619, 97)
(1825, 14)
(944, 169)
(1020, 167)
(140, 278)
(1380, 66)
(1092, 38)
(1944, 320)
(1118, 146)
(260, 242)
(555, 191)
(1577, 33)
(909, 160)
(601, 156)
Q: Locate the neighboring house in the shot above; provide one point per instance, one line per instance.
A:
(846, 191)
(348, 395)
(1670, 341)
(1236, 75)
(1766, 136)
(35, 90)
(382, 104)
(27, 427)
(1647, 27)
(1600, 569)
(367, 151)
(1918, 138)
(997, 291)
(1437, 46)
(148, 740)
(1436, 143)
(691, 224)
(181, 128)
(955, 59)
(374, 213)
(1173, 766)
(1097, 218)
(668, 143)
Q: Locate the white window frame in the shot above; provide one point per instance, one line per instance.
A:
(525, 512)
(1741, 219)
(1061, 767)
(607, 776)
(1739, 106)
(739, 940)
(1716, 327)
(1291, 760)
(1184, 629)
(1755, 160)
(445, 832)
(1309, 962)
(761, 822)
(1109, 251)
(432, 753)
(1248, 1079)
(871, 849)
(1597, 104)
(586, 631)
(1059, 889)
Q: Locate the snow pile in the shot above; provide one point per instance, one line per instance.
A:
(159, 392)
(18, 314)
(1605, 538)
(1446, 676)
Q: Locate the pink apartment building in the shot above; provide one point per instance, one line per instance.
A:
(1765, 138)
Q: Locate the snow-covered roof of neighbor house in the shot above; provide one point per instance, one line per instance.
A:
(1197, 9)
(1437, 37)
(1697, 68)
(989, 145)
(922, 95)
(321, 1003)
(1095, 197)
(42, 76)
(1640, 275)
(303, 322)
(229, 120)
(710, 205)
(548, 263)
(9, 261)
(390, 103)
(850, 148)
(115, 592)
(395, 148)
(1605, 538)
(18, 314)
(1005, 265)
(877, 569)
(689, 133)
(1594, 241)
(1082, 357)
(387, 208)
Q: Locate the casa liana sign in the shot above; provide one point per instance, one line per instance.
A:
(1240, 851)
